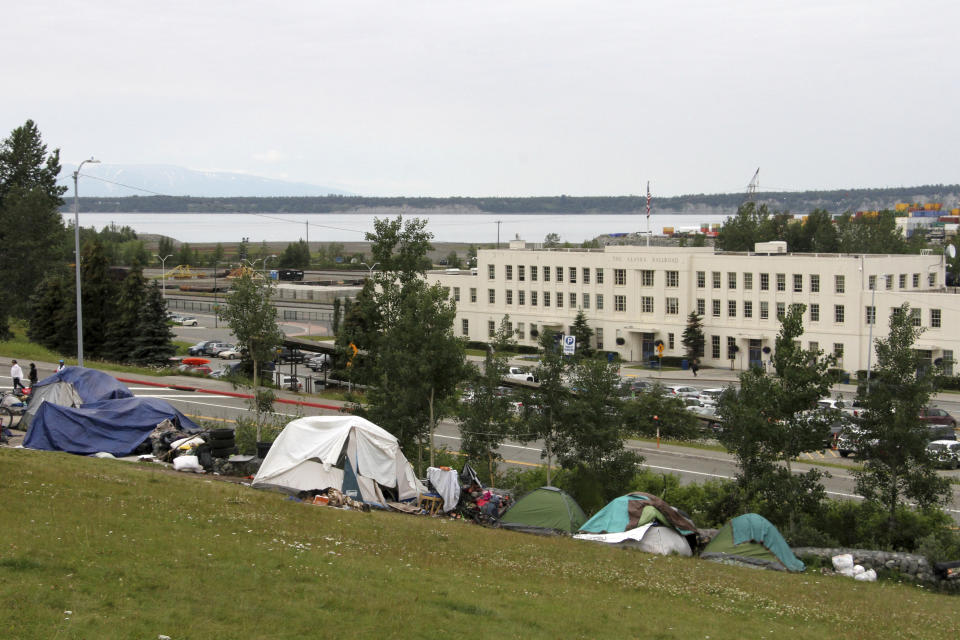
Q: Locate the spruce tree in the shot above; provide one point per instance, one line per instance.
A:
(125, 323)
(693, 340)
(153, 340)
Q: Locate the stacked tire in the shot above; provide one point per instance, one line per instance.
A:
(222, 442)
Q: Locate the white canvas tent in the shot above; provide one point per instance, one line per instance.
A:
(651, 538)
(344, 452)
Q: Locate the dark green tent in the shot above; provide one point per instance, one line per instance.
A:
(546, 510)
(751, 539)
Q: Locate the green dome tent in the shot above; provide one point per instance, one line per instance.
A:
(547, 510)
(751, 539)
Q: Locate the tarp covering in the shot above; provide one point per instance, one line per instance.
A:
(651, 537)
(73, 387)
(310, 452)
(631, 511)
(753, 536)
(545, 509)
(116, 426)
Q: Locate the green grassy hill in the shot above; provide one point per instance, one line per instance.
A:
(133, 552)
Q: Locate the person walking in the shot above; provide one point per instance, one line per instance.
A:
(694, 366)
(33, 376)
(16, 373)
(60, 366)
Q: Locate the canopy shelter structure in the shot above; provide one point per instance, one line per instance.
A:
(116, 426)
(752, 540)
(73, 387)
(348, 453)
(545, 511)
(642, 521)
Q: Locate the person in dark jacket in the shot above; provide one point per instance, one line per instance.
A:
(32, 375)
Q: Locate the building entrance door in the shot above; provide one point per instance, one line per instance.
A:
(756, 354)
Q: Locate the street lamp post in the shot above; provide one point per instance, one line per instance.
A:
(163, 274)
(370, 268)
(873, 306)
(76, 239)
(273, 257)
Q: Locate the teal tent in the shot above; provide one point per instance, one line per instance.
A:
(751, 539)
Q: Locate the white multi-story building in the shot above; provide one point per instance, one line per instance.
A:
(634, 297)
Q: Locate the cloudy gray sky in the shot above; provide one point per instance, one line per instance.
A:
(414, 97)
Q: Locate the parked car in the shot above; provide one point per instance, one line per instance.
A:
(198, 349)
(519, 373)
(319, 362)
(187, 321)
(213, 348)
(230, 354)
(682, 391)
(195, 368)
(710, 397)
(292, 383)
(946, 453)
(286, 354)
(933, 415)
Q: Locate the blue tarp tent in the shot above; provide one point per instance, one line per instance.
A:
(73, 387)
(116, 426)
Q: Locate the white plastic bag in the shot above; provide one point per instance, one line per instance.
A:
(843, 561)
(858, 569)
(867, 576)
(187, 464)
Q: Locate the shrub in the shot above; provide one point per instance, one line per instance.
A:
(246, 432)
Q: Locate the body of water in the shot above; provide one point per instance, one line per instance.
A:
(339, 227)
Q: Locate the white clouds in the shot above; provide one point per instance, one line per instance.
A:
(498, 98)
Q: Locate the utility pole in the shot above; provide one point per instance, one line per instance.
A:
(499, 222)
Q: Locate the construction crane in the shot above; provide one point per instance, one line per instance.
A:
(752, 188)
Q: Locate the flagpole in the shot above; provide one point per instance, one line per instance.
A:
(648, 213)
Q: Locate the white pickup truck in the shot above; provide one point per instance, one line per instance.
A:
(517, 373)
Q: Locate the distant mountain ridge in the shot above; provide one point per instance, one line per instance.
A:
(801, 203)
(120, 180)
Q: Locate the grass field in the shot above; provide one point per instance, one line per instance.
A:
(107, 549)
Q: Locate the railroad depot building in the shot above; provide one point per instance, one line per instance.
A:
(634, 296)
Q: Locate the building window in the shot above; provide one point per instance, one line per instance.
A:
(509, 327)
(916, 280)
(715, 347)
(572, 278)
(731, 308)
(781, 310)
(701, 279)
(509, 299)
(871, 282)
(814, 283)
(559, 272)
(701, 307)
(620, 303)
(798, 283)
(620, 276)
(599, 302)
(915, 318)
(838, 353)
(573, 300)
(646, 304)
(456, 294)
(731, 348)
(889, 282)
(673, 306)
(935, 319)
(673, 279)
(748, 281)
(521, 297)
(473, 294)
(599, 273)
(747, 308)
(715, 279)
(586, 301)
(533, 272)
(839, 284)
(559, 299)
(533, 331)
(491, 271)
(546, 274)
(670, 342)
(492, 296)
(764, 282)
(871, 315)
(546, 297)
(521, 275)
(932, 279)
(813, 346)
(646, 278)
(814, 312)
(781, 282)
(491, 328)
(586, 275)
(520, 331)
(533, 298)
(948, 362)
(903, 281)
(838, 313)
(731, 280)
(465, 327)
(715, 304)
(508, 273)
(598, 334)
(764, 310)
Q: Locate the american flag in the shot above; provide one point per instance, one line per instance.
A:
(648, 199)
